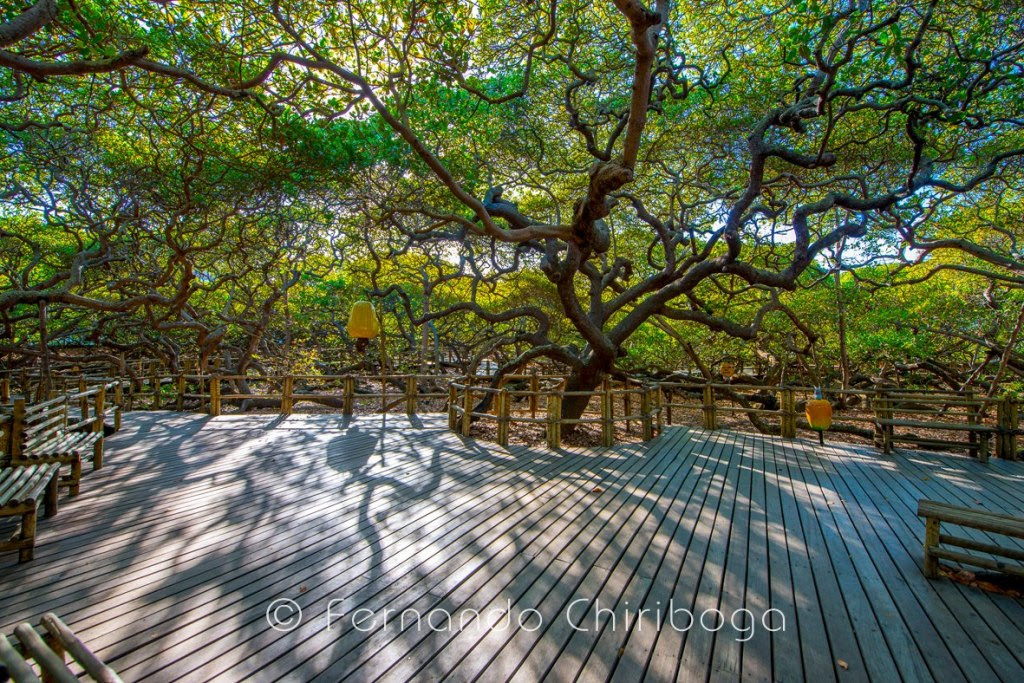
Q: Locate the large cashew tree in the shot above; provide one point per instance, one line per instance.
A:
(650, 160)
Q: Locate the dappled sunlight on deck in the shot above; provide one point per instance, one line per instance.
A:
(415, 553)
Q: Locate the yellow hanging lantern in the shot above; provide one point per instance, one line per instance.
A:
(819, 414)
(362, 321)
(727, 370)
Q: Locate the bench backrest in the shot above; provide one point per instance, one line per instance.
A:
(34, 424)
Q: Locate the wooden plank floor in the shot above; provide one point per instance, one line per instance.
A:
(802, 562)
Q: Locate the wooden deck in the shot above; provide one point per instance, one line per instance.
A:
(168, 561)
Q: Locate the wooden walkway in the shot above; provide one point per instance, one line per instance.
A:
(168, 561)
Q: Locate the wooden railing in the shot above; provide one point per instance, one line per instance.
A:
(640, 403)
(885, 416)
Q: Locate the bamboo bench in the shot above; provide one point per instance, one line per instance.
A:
(49, 652)
(1007, 525)
(41, 434)
(21, 490)
(979, 448)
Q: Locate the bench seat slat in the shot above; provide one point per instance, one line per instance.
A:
(12, 480)
(92, 664)
(16, 665)
(65, 444)
(46, 658)
(28, 484)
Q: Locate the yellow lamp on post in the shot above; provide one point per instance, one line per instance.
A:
(363, 324)
(819, 414)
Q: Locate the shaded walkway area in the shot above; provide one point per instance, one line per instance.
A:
(415, 555)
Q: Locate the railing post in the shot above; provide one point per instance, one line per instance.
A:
(659, 405)
(157, 398)
(627, 407)
(17, 429)
(503, 417)
(453, 400)
(7, 436)
(1007, 424)
(884, 411)
(349, 390)
(667, 396)
(710, 414)
(788, 425)
(534, 394)
(286, 395)
(179, 402)
(554, 423)
(5, 390)
(99, 410)
(119, 403)
(607, 415)
(876, 408)
(215, 396)
(973, 415)
(410, 395)
(645, 414)
(467, 409)
(83, 402)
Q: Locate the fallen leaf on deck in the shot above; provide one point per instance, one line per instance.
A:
(842, 664)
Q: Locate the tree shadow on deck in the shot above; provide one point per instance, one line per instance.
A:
(201, 530)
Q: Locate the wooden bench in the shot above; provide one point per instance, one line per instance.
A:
(21, 490)
(937, 513)
(41, 433)
(49, 652)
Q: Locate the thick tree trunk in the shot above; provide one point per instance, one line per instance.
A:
(585, 379)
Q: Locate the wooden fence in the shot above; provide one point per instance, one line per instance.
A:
(626, 404)
(887, 416)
